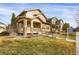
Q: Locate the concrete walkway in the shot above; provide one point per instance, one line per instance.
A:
(69, 40)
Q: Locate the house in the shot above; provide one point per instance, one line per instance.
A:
(52, 22)
(2, 27)
(56, 24)
(71, 30)
(77, 28)
(31, 22)
(61, 25)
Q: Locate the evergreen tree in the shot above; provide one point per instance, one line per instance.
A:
(13, 22)
(13, 19)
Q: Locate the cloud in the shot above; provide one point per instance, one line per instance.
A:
(63, 11)
(5, 15)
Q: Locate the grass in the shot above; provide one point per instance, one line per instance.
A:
(72, 36)
(36, 46)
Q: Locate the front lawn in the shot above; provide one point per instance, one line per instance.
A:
(36, 46)
(72, 36)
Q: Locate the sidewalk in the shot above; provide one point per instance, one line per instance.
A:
(67, 39)
(70, 40)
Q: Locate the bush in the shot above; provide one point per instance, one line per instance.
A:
(4, 33)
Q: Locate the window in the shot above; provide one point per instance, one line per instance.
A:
(36, 25)
(43, 27)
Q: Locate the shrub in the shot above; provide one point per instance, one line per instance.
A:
(4, 33)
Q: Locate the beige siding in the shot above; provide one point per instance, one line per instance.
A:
(41, 28)
(30, 14)
(45, 28)
(36, 20)
(2, 30)
(53, 21)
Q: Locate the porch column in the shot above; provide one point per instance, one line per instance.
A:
(32, 27)
(25, 28)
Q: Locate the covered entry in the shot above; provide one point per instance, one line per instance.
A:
(36, 27)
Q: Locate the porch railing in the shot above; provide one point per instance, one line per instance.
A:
(36, 30)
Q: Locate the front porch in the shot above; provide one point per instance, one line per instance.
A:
(28, 27)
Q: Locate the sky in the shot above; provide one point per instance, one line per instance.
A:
(64, 11)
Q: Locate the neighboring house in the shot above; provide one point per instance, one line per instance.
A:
(53, 20)
(31, 22)
(70, 30)
(61, 25)
(77, 29)
(54, 24)
(2, 27)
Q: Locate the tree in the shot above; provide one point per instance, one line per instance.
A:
(65, 26)
(13, 21)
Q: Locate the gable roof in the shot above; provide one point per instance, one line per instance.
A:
(50, 19)
(2, 23)
(25, 11)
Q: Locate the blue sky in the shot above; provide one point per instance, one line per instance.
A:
(65, 11)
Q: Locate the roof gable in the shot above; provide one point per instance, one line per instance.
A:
(33, 14)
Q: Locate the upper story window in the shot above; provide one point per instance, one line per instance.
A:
(29, 15)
